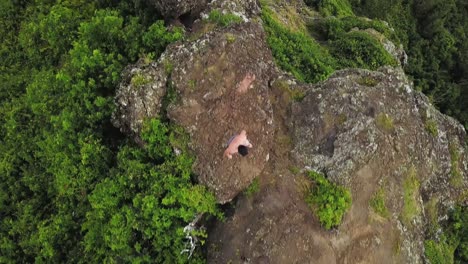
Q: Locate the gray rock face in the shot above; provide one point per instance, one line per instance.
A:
(139, 96)
(375, 122)
(176, 8)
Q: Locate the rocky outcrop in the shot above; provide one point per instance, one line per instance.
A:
(176, 8)
(206, 76)
(366, 130)
(374, 122)
(139, 96)
(245, 9)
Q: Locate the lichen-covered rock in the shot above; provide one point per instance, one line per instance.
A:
(176, 8)
(245, 9)
(139, 96)
(206, 76)
(363, 127)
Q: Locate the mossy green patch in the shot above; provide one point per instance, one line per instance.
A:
(431, 209)
(441, 252)
(367, 81)
(222, 19)
(294, 94)
(456, 178)
(253, 188)
(139, 80)
(431, 127)
(384, 122)
(377, 203)
(410, 192)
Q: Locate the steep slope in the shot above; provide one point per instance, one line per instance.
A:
(366, 130)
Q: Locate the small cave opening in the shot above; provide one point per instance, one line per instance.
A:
(187, 20)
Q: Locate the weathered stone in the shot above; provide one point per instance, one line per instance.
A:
(139, 96)
(176, 8)
(360, 122)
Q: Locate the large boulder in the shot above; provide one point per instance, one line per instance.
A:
(369, 130)
(207, 76)
(201, 81)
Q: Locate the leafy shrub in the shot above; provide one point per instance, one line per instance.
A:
(441, 252)
(72, 189)
(458, 230)
(336, 8)
(296, 52)
(360, 50)
(334, 27)
(158, 37)
(329, 200)
(223, 20)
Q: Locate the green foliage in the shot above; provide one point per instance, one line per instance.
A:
(253, 188)
(336, 8)
(149, 197)
(452, 246)
(296, 52)
(231, 38)
(334, 27)
(458, 229)
(71, 189)
(410, 192)
(358, 49)
(384, 122)
(431, 209)
(329, 200)
(439, 252)
(434, 34)
(158, 37)
(222, 19)
(377, 203)
(431, 127)
(139, 80)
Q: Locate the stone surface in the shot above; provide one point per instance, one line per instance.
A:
(366, 128)
(176, 8)
(139, 96)
(206, 76)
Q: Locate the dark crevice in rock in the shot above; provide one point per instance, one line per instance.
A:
(326, 147)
